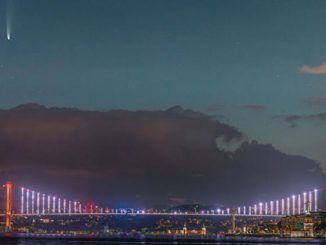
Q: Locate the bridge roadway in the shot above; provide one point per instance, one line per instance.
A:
(145, 214)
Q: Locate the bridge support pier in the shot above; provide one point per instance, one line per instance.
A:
(233, 221)
(8, 188)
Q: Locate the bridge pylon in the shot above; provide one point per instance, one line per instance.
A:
(233, 220)
(8, 189)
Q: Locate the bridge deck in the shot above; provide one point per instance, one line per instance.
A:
(141, 214)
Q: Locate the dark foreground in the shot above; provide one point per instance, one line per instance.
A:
(27, 239)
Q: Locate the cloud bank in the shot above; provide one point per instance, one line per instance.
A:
(137, 158)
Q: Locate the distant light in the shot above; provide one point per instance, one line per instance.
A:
(316, 200)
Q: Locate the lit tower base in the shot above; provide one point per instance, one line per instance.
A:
(8, 188)
(233, 221)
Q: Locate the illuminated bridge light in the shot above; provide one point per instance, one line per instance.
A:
(80, 208)
(244, 210)
(272, 208)
(43, 203)
(249, 209)
(53, 204)
(310, 202)
(22, 200)
(266, 208)
(288, 206)
(59, 205)
(239, 210)
(277, 207)
(260, 208)
(75, 207)
(27, 201)
(299, 204)
(38, 203)
(64, 206)
(49, 204)
(255, 209)
(316, 200)
(32, 202)
(293, 205)
(69, 207)
(282, 207)
(305, 202)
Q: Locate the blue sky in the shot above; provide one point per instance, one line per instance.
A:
(225, 58)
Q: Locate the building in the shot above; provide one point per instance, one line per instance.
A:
(297, 225)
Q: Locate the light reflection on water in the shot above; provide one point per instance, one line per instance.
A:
(252, 240)
(60, 242)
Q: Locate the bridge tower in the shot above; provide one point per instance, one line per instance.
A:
(8, 188)
(233, 221)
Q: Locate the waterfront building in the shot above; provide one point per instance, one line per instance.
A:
(297, 226)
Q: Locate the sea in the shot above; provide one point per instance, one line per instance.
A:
(257, 241)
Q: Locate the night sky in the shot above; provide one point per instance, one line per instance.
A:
(166, 91)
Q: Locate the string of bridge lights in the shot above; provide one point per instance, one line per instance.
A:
(296, 204)
(35, 203)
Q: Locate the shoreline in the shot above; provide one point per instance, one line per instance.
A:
(160, 239)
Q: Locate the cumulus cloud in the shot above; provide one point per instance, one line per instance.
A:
(321, 69)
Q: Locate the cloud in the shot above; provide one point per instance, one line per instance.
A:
(111, 155)
(315, 101)
(253, 107)
(292, 120)
(321, 69)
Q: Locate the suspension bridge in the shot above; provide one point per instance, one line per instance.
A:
(22, 201)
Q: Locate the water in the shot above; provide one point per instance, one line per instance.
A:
(257, 241)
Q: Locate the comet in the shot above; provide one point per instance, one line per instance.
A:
(8, 33)
(9, 18)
